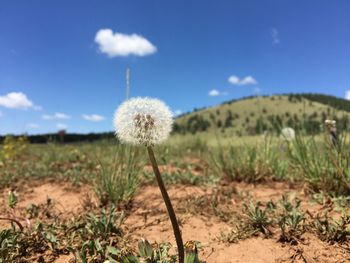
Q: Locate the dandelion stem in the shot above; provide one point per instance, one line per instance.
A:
(169, 207)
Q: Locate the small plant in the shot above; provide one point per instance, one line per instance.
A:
(106, 224)
(290, 219)
(101, 234)
(290, 225)
(8, 244)
(119, 182)
(12, 199)
(238, 232)
(12, 202)
(191, 252)
(332, 230)
(153, 254)
(257, 218)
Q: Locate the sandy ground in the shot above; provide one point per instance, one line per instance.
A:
(148, 218)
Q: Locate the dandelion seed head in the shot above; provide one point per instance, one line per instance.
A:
(330, 123)
(144, 121)
(288, 134)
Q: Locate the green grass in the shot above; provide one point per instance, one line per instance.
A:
(116, 170)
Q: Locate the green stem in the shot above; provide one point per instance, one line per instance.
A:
(171, 213)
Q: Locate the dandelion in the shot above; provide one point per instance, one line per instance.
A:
(330, 123)
(143, 121)
(147, 122)
(288, 134)
(332, 129)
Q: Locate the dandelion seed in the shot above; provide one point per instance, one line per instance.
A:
(332, 129)
(143, 121)
(288, 134)
(330, 123)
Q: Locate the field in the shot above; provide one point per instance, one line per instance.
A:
(239, 199)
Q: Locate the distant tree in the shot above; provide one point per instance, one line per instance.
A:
(314, 115)
(295, 117)
(260, 126)
(212, 117)
(197, 123)
(228, 121)
(334, 102)
(343, 123)
(177, 128)
(219, 123)
(290, 123)
(312, 126)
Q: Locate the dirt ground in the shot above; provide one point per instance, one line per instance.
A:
(148, 219)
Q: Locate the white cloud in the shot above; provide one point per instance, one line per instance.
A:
(61, 126)
(347, 94)
(234, 80)
(32, 126)
(16, 100)
(248, 80)
(93, 117)
(214, 93)
(275, 36)
(118, 44)
(56, 116)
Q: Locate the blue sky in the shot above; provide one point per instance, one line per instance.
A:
(63, 63)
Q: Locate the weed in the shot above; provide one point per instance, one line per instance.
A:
(324, 167)
(332, 230)
(249, 163)
(119, 182)
(239, 232)
(257, 218)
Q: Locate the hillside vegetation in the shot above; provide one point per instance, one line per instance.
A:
(255, 115)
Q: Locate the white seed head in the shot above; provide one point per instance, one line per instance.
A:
(330, 123)
(144, 121)
(288, 134)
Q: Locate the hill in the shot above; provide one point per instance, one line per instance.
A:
(254, 115)
(246, 116)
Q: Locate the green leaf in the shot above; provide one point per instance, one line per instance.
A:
(112, 250)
